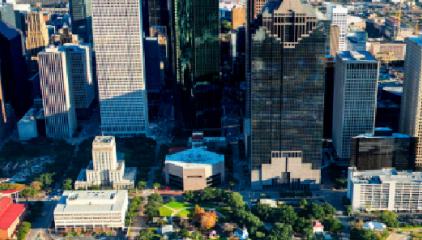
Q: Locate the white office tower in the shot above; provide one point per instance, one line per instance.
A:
(411, 112)
(56, 90)
(338, 16)
(117, 32)
(105, 169)
(355, 98)
(78, 57)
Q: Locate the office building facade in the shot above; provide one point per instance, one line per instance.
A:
(81, 16)
(287, 83)
(118, 46)
(36, 35)
(57, 97)
(383, 149)
(410, 121)
(15, 88)
(385, 189)
(355, 98)
(338, 16)
(197, 47)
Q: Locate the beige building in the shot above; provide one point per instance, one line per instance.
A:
(288, 167)
(105, 169)
(238, 16)
(37, 34)
(387, 51)
(194, 169)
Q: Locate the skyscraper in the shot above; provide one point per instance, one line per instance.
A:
(355, 98)
(57, 96)
(197, 58)
(81, 16)
(37, 34)
(79, 64)
(14, 85)
(338, 16)
(118, 45)
(410, 120)
(287, 87)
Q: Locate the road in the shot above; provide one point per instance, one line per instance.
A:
(43, 223)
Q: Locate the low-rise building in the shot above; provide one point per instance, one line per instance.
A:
(107, 169)
(27, 126)
(10, 217)
(91, 210)
(385, 189)
(383, 149)
(194, 169)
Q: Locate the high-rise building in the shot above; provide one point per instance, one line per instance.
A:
(81, 16)
(56, 89)
(197, 60)
(355, 98)
(238, 16)
(383, 149)
(338, 16)
(287, 87)
(107, 168)
(37, 34)
(118, 46)
(79, 63)
(410, 120)
(12, 17)
(157, 13)
(15, 87)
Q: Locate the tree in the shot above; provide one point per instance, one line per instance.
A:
(329, 210)
(303, 203)
(147, 234)
(190, 196)
(46, 179)
(389, 218)
(141, 185)
(281, 231)
(236, 200)
(302, 224)
(208, 220)
(284, 214)
(156, 186)
(333, 225)
(263, 211)
(316, 211)
(36, 185)
(23, 230)
(349, 210)
(67, 184)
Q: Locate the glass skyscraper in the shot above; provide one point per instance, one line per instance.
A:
(287, 83)
(196, 24)
(81, 15)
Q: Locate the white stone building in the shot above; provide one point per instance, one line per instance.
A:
(105, 169)
(386, 189)
(91, 210)
(118, 46)
(338, 16)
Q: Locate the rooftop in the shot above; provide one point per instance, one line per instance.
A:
(356, 56)
(383, 133)
(417, 40)
(195, 156)
(104, 139)
(91, 201)
(386, 175)
(9, 212)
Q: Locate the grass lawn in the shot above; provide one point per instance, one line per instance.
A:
(181, 209)
(165, 212)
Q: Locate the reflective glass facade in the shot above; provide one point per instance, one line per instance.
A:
(287, 84)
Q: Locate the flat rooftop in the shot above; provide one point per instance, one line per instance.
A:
(104, 139)
(91, 201)
(356, 56)
(195, 156)
(417, 40)
(386, 175)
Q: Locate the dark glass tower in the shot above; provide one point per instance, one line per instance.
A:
(196, 25)
(287, 80)
(15, 87)
(81, 15)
